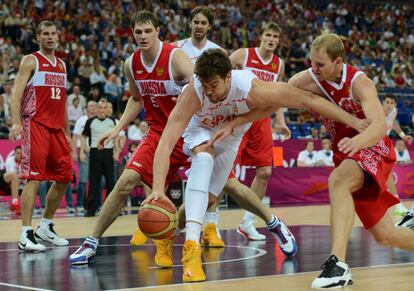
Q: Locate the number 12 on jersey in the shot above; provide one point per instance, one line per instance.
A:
(55, 93)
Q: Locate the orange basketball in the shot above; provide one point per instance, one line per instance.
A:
(158, 219)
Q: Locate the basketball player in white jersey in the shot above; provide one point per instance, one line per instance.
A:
(256, 148)
(201, 21)
(216, 96)
(390, 109)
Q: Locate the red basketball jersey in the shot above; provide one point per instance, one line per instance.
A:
(156, 85)
(266, 71)
(342, 96)
(44, 99)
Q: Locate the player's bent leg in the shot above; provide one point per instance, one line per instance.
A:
(53, 197)
(110, 211)
(385, 233)
(399, 209)
(344, 180)
(247, 199)
(259, 186)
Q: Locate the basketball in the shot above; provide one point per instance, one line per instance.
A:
(158, 219)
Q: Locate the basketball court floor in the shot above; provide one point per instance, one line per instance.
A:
(241, 265)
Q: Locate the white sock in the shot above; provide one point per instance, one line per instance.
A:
(272, 223)
(217, 216)
(196, 193)
(193, 231)
(45, 222)
(249, 217)
(210, 217)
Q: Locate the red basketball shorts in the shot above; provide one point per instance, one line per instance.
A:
(142, 159)
(45, 153)
(373, 200)
(256, 148)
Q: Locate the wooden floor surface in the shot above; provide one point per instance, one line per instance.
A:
(384, 278)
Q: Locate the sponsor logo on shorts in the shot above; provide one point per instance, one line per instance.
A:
(137, 164)
(45, 65)
(255, 62)
(34, 173)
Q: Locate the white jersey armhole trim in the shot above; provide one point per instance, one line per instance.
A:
(36, 69)
(280, 67)
(129, 60)
(319, 84)
(246, 57)
(357, 74)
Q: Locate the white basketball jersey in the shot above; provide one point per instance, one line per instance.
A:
(390, 118)
(215, 115)
(193, 53)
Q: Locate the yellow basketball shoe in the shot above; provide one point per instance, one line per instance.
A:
(192, 266)
(163, 257)
(210, 237)
(138, 239)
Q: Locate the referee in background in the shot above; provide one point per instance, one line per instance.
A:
(101, 162)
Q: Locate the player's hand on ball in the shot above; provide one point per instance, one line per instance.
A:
(349, 146)
(155, 195)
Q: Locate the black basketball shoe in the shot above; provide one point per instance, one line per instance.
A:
(335, 275)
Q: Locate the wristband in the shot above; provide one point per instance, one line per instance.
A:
(402, 134)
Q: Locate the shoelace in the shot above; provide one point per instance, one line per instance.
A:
(165, 247)
(189, 253)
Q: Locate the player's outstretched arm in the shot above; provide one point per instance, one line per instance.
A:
(178, 120)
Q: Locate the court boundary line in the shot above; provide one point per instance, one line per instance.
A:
(23, 287)
(256, 277)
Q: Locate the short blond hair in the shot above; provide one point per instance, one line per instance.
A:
(271, 26)
(331, 43)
